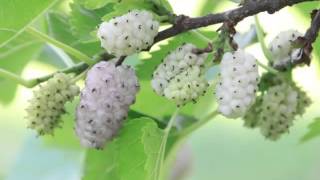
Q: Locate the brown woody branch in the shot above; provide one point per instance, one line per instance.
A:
(184, 23)
(309, 38)
(250, 7)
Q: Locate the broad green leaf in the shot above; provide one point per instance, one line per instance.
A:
(13, 57)
(122, 8)
(84, 21)
(130, 156)
(59, 28)
(164, 6)
(95, 4)
(313, 132)
(16, 15)
(208, 6)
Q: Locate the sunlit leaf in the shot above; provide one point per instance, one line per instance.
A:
(16, 15)
(130, 156)
(59, 28)
(313, 130)
(95, 4)
(13, 57)
(83, 21)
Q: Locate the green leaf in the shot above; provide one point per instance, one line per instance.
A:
(16, 15)
(122, 8)
(59, 28)
(13, 57)
(130, 156)
(208, 6)
(83, 21)
(163, 6)
(95, 4)
(314, 130)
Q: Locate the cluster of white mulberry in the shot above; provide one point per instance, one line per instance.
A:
(275, 111)
(180, 77)
(238, 83)
(47, 104)
(110, 89)
(282, 48)
(129, 33)
(104, 103)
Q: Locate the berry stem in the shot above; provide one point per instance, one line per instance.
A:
(77, 69)
(160, 159)
(15, 78)
(269, 69)
(72, 51)
(260, 34)
(80, 76)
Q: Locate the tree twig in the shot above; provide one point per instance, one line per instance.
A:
(308, 39)
(184, 23)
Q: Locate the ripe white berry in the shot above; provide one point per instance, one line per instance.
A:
(278, 111)
(180, 76)
(129, 33)
(104, 102)
(238, 83)
(47, 104)
(282, 48)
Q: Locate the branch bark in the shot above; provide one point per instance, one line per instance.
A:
(250, 7)
(308, 39)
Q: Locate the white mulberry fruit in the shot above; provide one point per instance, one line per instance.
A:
(282, 48)
(104, 102)
(47, 104)
(129, 33)
(180, 77)
(278, 111)
(236, 89)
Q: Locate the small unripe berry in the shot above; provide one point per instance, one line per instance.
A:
(278, 110)
(180, 77)
(47, 104)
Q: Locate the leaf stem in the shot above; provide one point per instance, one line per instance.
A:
(72, 51)
(162, 150)
(260, 34)
(268, 68)
(77, 69)
(15, 78)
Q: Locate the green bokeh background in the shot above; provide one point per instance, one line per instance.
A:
(222, 150)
